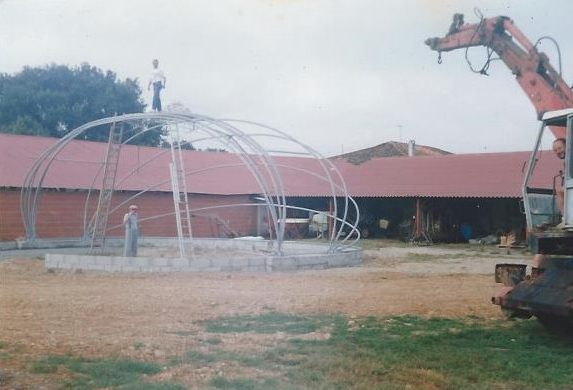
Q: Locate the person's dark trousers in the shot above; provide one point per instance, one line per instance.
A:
(156, 104)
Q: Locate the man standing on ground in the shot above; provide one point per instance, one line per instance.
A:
(130, 221)
(158, 81)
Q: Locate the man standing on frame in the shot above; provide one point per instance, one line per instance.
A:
(158, 81)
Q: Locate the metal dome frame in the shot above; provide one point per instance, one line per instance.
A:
(255, 144)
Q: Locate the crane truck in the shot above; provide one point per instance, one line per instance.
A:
(548, 296)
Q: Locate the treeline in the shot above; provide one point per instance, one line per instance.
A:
(55, 99)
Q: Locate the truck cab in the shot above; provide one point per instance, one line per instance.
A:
(550, 232)
(549, 295)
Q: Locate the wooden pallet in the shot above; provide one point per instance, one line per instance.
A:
(509, 242)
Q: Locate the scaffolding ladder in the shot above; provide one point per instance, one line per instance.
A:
(107, 188)
(180, 196)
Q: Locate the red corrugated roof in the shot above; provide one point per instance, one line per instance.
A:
(464, 175)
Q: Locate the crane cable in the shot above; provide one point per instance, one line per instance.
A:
(558, 54)
(556, 47)
(490, 52)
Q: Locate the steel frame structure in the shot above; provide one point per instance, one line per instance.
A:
(255, 144)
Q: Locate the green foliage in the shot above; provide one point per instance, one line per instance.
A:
(424, 257)
(245, 384)
(200, 358)
(55, 99)
(405, 352)
(95, 374)
(266, 323)
(153, 386)
(184, 144)
(26, 125)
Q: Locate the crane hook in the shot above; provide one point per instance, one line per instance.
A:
(439, 57)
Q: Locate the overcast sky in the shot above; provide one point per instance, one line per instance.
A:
(338, 75)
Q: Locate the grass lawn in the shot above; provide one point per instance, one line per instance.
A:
(403, 352)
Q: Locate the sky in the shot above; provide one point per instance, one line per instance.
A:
(337, 75)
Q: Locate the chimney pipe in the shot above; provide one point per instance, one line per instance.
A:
(411, 145)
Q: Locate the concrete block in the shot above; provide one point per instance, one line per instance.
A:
(310, 261)
(101, 260)
(221, 263)
(257, 262)
(199, 264)
(51, 261)
(178, 264)
(125, 267)
(337, 260)
(162, 262)
(260, 269)
(285, 263)
(240, 263)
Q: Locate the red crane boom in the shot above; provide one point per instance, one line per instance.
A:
(538, 79)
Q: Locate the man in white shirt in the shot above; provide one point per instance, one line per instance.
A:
(158, 81)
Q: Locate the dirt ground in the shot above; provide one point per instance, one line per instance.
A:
(140, 315)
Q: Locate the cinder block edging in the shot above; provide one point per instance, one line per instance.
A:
(300, 257)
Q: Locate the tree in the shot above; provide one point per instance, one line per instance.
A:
(55, 99)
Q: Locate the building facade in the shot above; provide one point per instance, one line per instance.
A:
(451, 197)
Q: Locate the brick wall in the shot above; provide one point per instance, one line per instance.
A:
(61, 214)
(11, 225)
